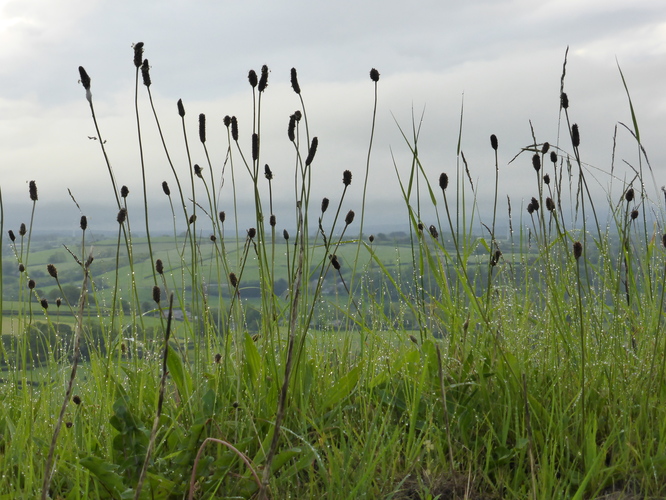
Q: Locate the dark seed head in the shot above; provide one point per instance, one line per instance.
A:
(76, 400)
(550, 204)
(335, 262)
(165, 188)
(634, 214)
(138, 53)
(267, 172)
(298, 115)
(202, 127)
(233, 280)
(22, 229)
(85, 79)
(213, 238)
(192, 219)
(181, 108)
(223, 216)
(251, 233)
(53, 272)
(578, 249)
(536, 162)
(159, 266)
(58, 302)
(218, 358)
(629, 195)
(553, 156)
(69, 424)
(433, 231)
(263, 80)
(44, 303)
(84, 222)
(663, 240)
(312, 151)
(272, 220)
(535, 203)
(234, 128)
(324, 205)
(497, 256)
(294, 81)
(530, 209)
(285, 235)
(350, 217)
(546, 179)
(157, 294)
(197, 171)
(21, 268)
(227, 121)
(252, 78)
(31, 284)
(564, 101)
(575, 135)
(493, 142)
(122, 215)
(346, 177)
(124, 191)
(371, 238)
(420, 226)
(255, 146)
(544, 148)
(443, 181)
(33, 190)
(11, 234)
(291, 129)
(374, 75)
(145, 73)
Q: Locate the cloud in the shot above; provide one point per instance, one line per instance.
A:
(503, 60)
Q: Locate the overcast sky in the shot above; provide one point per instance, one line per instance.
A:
(502, 58)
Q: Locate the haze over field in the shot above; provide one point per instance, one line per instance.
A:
(504, 58)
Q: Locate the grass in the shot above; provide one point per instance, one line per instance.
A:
(256, 363)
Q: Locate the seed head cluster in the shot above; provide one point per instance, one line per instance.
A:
(138, 53)
(53, 272)
(575, 135)
(33, 190)
(202, 127)
(349, 218)
(145, 73)
(536, 162)
(234, 128)
(263, 80)
(294, 81)
(312, 151)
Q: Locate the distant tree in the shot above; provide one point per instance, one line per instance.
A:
(57, 258)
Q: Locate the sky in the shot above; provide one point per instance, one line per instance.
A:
(496, 63)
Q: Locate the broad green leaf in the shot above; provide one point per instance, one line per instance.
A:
(343, 387)
(252, 360)
(106, 474)
(179, 375)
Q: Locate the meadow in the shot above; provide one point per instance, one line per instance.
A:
(447, 361)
